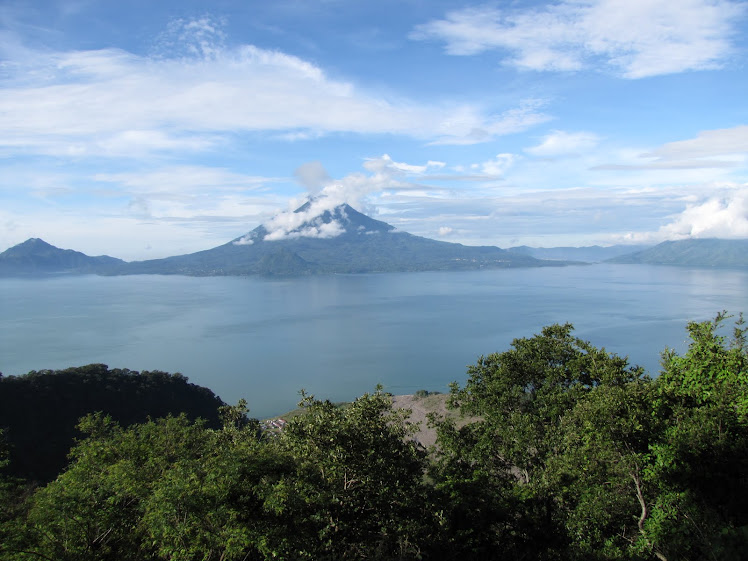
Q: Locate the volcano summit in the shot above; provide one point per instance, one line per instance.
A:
(341, 240)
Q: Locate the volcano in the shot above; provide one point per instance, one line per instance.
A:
(311, 240)
(338, 240)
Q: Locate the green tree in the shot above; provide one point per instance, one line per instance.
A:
(213, 506)
(523, 393)
(93, 510)
(700, 460)
(13, 494)
(358, 491)
(599, 478)
(522, 397)
(472, 498)
(42, 409)
(714, 368)
(571, 454)
(657, 468)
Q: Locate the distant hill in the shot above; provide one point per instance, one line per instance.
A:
(360, 245)
(587, 254)
(693, 253)
(35, 256)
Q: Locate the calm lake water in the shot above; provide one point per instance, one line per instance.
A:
(338, 336)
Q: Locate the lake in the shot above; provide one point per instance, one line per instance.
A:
(338, 336)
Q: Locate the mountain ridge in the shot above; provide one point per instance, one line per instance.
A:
(342, 240)
(35, 256)
(584, 254)
(337, 241)
(699, 252)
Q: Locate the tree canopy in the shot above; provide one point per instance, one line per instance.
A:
(39, 411)
(569, 453)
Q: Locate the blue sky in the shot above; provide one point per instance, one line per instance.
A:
(144, 129)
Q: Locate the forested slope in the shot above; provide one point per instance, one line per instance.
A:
(39, 411)
(573, 454)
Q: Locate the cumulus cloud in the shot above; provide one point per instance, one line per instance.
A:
(636, 38)
(304, 217)
(561, 143)
(723, 214)
(196, 88)
(305, 224)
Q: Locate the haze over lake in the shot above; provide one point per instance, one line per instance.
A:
(338, 336)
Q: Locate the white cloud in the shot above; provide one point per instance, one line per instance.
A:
(305, 224)
(386, 165)
(720, 148)
(497, 167)
(385, 175)
(637, 38)
(561, 143)
(468, 126)
(143, 142)
(723, 214)
(128, 237)
(115, 103)
(719, 142)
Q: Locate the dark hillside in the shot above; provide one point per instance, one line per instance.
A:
(35, 256)
(39, 411)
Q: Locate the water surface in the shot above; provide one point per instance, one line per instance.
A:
(338, 336)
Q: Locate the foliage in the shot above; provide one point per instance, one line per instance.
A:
(570, 454)
(357, 491)
(522, 396)
(595, 460)
(700, 459)
(92, 511)
(601, 493)
(40, 410)
(420, 394)
(713, 370)
(13, 495)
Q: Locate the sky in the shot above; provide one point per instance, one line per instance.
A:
(142, 129)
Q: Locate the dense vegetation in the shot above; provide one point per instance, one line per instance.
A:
(39, 411)
(575, 455)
